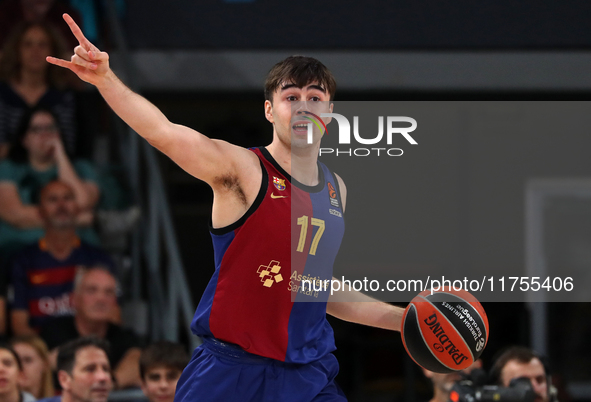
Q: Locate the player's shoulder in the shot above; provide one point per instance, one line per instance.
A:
(242, 170)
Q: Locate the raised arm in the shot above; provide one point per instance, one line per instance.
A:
(200, 156)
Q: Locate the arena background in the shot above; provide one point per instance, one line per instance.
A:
(204, 65)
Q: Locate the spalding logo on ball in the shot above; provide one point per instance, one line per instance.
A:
(444, 331)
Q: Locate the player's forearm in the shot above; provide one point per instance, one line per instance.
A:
(372, 313)
(141, 115)
(352, 306)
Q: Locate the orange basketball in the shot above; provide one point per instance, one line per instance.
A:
(444, 331)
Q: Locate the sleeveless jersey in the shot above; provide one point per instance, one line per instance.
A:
(266, 293)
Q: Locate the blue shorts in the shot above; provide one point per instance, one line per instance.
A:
(222, 372)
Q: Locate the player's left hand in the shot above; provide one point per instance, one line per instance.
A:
(88, 62)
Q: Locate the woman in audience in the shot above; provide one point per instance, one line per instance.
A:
(11, 368)
(36, 157)
(27, 81)
(37, 378)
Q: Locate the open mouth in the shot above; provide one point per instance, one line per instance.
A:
(300, 127)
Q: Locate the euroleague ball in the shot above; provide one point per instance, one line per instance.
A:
(445, 330)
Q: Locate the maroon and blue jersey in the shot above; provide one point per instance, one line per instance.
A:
(43, 285)
(266, 294)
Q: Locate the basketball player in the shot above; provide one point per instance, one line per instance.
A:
(259, 345)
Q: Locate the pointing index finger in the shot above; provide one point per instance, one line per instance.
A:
(85, 43)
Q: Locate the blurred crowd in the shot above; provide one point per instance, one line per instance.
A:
(60, 291)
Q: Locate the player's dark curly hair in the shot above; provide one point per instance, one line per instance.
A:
(299, 70)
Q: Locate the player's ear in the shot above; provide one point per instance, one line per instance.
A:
(269, 111)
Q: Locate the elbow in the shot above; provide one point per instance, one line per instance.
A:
(161, 138)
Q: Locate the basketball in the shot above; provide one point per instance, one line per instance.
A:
(444, 331)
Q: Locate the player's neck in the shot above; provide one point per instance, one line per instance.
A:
(301, 164)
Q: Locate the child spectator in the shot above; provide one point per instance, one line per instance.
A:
(161, 365)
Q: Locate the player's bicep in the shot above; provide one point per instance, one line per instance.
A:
(198, 155)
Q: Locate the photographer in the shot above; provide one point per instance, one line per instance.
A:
(521, 362)
(443, 383)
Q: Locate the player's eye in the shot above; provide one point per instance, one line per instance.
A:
(315, 99)
(292, 98)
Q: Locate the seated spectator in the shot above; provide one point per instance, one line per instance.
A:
(14, 12)
(84, 371)
(95, 300)
(11, 369)
(161, 365)
(28, 81)
(36, 158)
(34, 356)
(43, 273)
(521, 362)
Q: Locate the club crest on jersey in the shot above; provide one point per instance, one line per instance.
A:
(279, 183)
(332, 193)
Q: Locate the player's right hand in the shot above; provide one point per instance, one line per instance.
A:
(88, 62)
